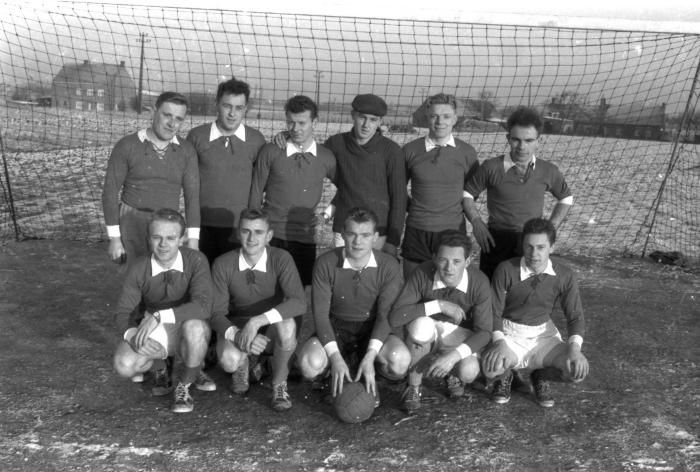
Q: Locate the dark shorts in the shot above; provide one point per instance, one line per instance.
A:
(352, 338)
(214, 241)
(419, 246)
(508, 245)
(304, 255)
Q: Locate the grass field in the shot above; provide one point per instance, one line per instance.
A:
(62, 407)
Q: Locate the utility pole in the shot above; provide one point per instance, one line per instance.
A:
(143, 41)
(318, 74)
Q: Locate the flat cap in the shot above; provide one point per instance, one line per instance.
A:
(370, 104)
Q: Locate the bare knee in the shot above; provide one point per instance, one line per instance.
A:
(286, 335)
(196, 331)
(125, 361)
(467, 370)
(421, 330)
(312, 359)
(396, 357)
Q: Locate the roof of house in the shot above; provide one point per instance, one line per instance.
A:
(96, 73)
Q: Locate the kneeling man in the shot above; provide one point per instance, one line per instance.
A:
(174, 287)
(525, 290)
(446, 309)
(257, 294)
(352, 292)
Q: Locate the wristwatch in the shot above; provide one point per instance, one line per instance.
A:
(156, 315)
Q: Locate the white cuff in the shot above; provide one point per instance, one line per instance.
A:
(167, 316)
(464, 351)
(432, 308)
(193, 233)
(113, 231)
(130, 333)
(468, 195)
(497, 336)
(567, 200)
(576, 339)
(329, 211)
(331, 348)
(273, 316)
(230, 333)
(375, 344)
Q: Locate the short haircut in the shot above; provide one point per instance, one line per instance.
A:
(540, 226)
(233, 87)
(171, 97)
(455, 238)
(301, 103)
(251, 214)
(525, 117)
(361, 215)
(169, 215)
(441, 99)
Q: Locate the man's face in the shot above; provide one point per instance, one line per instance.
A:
(365, 125)
(167, 120)
(359, 238)
(164, 239)
(441, 120)
(254, 236)
(301, 127)
(536, 250)
(523, 141)
(450, 263)
(230, 111)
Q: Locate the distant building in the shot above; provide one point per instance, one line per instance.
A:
(94, 86)
(466, 109)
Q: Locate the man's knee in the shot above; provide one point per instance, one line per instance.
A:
(196, 331)
(397, 358)
(286, 335)
(312, 359)
(421, 330)
(230, 357)
(467, 370)
(126, 361)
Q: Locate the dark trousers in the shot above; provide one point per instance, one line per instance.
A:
(508, 245)
(304, 255)
(215, 241)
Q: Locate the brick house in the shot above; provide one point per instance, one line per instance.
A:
(93, 86)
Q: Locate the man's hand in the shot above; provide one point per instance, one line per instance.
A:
(151, 349)
(444, 364)
(366, 370)
(576, 362)
(193, 243)
(256, 347)
(339, 373)
(148, 324)
(482, 235)
(494, 359)
(246, 336)
(321, 219)
(454, 311)
(280, 139)
(116, 250)
(390, 249)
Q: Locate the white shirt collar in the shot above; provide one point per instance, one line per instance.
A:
(143, 136)
(430, 144)
(372, 262)
(526, 273)
(293, 148)
(157, 269)
(462, 286)
(260, 266)
(508, 162)
(215, 132)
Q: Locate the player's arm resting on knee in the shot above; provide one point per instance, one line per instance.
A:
(477, 183)
(411, 302)
(129, 298)
(190, 190)
(494, 356)
(482, 317)
(199, 301)
(573, 311)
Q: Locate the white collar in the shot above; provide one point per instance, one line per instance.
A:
(430, 144)
(178, 265)
(372, 262)
(508, 162)
(215, 132)
(143, 136)
(462, 286)
(526, 272)
(260, 266)
(293, 148)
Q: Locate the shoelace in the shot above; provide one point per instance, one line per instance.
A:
(282, 391)
(412, 394)
(182, 391)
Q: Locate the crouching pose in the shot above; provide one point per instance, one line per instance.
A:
(525, 290)
(446, 308)
(257, 294)
(353, 290)
(173, 288)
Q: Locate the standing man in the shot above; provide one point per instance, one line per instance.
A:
(227, 150)
(353, 290)
(515, 185)
(438, 167)
(174, 290)
(257, 294)
(526, 290)
(150, 169)
(446, 308)
(291, 181)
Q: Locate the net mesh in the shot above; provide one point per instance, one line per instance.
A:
(619, 106)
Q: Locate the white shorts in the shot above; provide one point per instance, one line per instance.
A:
(165, 334)
(531, 344)
(448, 336)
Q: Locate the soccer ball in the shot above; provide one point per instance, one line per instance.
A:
(354, 405)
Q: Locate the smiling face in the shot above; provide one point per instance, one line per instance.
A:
(167, 120)
(365, 125)
(536, 250)
(359, 239)
(230, 111)
(301, 128)
(254, 236)
(164, 239)
(523, 141)
(441, 119)
(451, 263)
